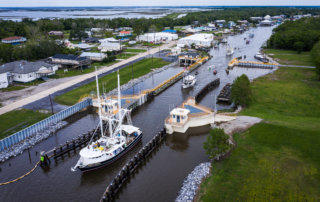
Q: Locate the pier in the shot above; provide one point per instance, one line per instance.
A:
(251, 64)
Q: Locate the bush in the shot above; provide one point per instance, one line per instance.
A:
(216, 143)
(315, 54)
(241, 91)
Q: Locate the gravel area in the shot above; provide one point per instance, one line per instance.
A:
(192, 182)
(29, 142)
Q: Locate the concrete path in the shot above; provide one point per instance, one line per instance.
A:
(74, 80)
(310, 67)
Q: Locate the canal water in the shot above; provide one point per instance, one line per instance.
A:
(161, 177)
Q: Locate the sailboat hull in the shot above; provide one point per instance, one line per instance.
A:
(113, 159)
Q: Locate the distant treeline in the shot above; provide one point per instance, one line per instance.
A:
(300, 35)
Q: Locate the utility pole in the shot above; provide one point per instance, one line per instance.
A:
(51, 104)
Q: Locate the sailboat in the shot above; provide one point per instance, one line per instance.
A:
(121, 139)
(230, 50)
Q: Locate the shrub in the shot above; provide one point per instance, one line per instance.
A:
(216, 143)
(241, 91)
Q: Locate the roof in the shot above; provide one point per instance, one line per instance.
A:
(169, 31)
(125, 32)
(91, 54)
(180, 111)
(23, 66)
(68, 57)
(130, 129)
(12, 38)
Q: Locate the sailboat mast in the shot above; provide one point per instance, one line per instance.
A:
(119, 104)
(99, 104)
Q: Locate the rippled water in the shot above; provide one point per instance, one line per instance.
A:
(161, 178)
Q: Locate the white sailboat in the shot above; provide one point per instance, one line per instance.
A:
(121, 139)
(188, 80)
(230, 50)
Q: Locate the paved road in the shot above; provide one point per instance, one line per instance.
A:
(24, 101)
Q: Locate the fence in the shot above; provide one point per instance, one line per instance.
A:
(42, 125)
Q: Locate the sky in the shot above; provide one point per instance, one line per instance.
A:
(79, 3)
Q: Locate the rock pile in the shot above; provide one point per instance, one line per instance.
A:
(29, 142)
(192, 182)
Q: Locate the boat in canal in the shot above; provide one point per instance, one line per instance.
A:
(121, 139)
(230, 50)
(261, 57)
(188, 80)
(188, 115)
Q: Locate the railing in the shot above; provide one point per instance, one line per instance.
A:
(42, 125)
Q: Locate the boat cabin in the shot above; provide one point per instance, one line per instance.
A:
(179, 115)
(110, 107)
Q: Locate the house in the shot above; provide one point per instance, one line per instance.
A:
(256, 18)
(14, 40)
(220, 23)
(110, 44)
(266, 23)
(92, 40)
(200, 40)
(24, 71)
(72, 61)
(82, 46)
(94, 56)
(157, 37)
(170, 31)
(124, 35)
(56, 33)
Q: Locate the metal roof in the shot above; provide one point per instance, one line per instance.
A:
(23, 66)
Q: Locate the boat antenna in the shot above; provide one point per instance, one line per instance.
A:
(99, 104)
(119, 104)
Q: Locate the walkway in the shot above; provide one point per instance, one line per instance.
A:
(301, 66)
(78, 79)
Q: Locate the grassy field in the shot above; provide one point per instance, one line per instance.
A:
(16, 120)
(135, 50)
(279, 159)
(109, 81)
(286, 57)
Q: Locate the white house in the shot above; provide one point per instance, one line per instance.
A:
(202, 40)
(110, 44)
(157, 37)
(24, 71)
(94, 56)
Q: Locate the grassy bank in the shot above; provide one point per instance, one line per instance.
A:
(135, 50)
(277, 160)
(16, 120)
(287, 57)
(109, 81)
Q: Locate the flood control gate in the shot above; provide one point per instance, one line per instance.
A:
(42, 125)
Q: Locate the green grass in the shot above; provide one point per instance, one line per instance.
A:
(75, 72)
(109, 81)
(287, 57)
(124, 55)
(135, 50)
(20, 86)
(279, 159)
(16, 120)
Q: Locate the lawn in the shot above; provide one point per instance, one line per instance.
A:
(17, 120)
(109, 81)
(286, 57)
(279, 159)
(135, 50)
(124, 55)
(20, 86)
(75, 72)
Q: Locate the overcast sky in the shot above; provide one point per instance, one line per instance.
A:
(74, 3)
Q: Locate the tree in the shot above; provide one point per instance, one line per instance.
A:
(315, 54)
(241, 91)
(298, 46)
(216, 143)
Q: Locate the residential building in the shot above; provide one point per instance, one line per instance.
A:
(94, 56)
(56, 33)
(72, 61)
(14, 40)
(124, 35)
(110, 44)
(24, 71)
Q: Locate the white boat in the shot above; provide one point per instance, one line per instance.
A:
(230, 50)
(224, 40)
(261, 57)
(121, 139)
(188, 80)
